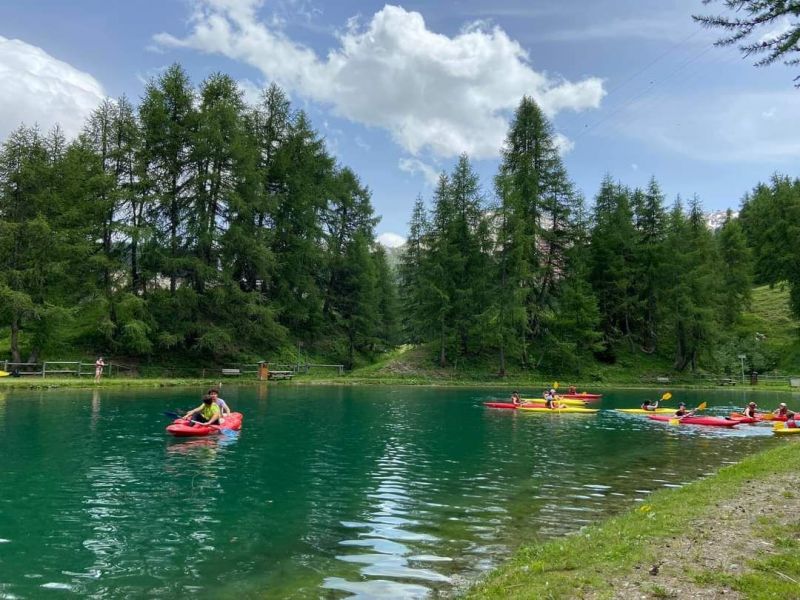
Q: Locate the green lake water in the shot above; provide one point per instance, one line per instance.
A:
(327, 492)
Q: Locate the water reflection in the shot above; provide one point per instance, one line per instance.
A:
(400, 565)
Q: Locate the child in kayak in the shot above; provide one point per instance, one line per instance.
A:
(549, 399)
(683, 412)
(750, 411)
(223, 406)
(207, 412)
(515, 399)
(572, 390)
(647, 405)
(782, 411)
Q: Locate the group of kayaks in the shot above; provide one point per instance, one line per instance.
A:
(572, 404)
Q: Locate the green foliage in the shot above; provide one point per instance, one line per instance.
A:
(195, 225)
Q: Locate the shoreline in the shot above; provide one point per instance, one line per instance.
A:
(525, 386)
(731, 534)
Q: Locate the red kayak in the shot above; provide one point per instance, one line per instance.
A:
(500, 405)
(710, 421)
(183, 428)
(582, 396)
(762, 417)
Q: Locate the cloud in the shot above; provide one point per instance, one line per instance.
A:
(563, 144)
(414, 166)
(745, 127)
(667, 27)
(40, 89)
(391, 240)
(433, 93)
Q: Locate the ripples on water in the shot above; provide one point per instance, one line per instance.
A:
(327, 493)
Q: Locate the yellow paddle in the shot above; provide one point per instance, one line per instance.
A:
(666, 396)
(677, 420)
(778, 425)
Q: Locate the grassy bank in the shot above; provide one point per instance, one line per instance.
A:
(88, 382)
(734, 533)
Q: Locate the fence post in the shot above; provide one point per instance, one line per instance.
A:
(44, 368)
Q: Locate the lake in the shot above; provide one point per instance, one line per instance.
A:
(327, 492)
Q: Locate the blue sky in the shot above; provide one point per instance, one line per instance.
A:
(633, 87)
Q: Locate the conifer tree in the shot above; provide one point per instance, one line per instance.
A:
(736, 269)
(650, 224)
(613, 249)
(536, 200)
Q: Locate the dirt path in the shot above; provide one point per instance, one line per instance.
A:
(718, 546)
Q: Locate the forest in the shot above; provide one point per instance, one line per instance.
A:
(198, 226)
(192, 225)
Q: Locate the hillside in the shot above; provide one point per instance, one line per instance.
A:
(767, 334)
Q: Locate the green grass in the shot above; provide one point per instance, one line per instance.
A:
(773, 575)
(770, 316)
(88, 382)
(590, 562)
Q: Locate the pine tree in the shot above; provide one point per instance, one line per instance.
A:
(736, 269)
(169, 121)
(612, 275)
(411, 276)
(650, 223)
(536, 200)
(693, 285)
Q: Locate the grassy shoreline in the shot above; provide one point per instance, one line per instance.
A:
(524, 385)
(668, 546)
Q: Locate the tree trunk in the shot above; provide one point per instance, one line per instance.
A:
(15, 356)
(442, 354)
(502, 371)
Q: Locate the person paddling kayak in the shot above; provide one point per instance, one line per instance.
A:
(750, 411)
(649, 406)
(207, 413)
(782, 411)
(683, 411)
(515, 399)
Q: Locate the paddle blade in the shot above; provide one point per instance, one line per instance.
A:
(702, 406)
(666, 396)
(674, 421)
(555, 384)
(778, 425)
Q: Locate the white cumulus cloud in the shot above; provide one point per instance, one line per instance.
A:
(391, 240)
(434, 93)
(36, 88)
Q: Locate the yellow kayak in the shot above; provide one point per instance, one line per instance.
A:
(786, 430)
(566, 409)
(564, 401)
(639, 411)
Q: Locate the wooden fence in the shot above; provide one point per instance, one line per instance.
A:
(62, 368)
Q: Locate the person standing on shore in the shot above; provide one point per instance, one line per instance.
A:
(98, 369)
